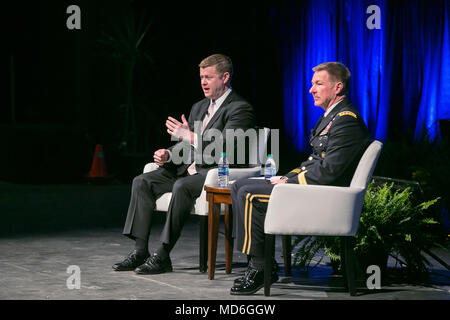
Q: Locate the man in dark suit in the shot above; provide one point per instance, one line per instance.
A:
(180, 172)
(338, 140)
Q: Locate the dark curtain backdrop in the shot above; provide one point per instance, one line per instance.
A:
(400, 73)
(68, 92)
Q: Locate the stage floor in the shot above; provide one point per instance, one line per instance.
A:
(34, 264)
(35, 267)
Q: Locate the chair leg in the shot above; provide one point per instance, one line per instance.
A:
(287, 251)
(203, 244)
(269, 248)
(343, 262)
(228, 238)
(350, 265)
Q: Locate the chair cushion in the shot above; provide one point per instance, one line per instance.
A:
(162, 204)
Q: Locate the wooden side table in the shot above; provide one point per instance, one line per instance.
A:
(216, 196)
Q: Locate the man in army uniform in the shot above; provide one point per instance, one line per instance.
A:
(338, 140)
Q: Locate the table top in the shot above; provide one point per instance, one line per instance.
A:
(216, 189)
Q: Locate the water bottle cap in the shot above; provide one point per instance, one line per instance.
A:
(269, 156)
(224, 154)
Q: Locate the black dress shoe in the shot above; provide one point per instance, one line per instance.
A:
(154, 265)
(240, 280)
(132, 261)
(253, 282)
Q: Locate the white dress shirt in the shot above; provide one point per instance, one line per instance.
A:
(332, 107)
(218, 103)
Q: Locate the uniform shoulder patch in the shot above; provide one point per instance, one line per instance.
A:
(347, 113)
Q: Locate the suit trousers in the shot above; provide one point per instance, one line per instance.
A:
(147, 188)
(250, 198)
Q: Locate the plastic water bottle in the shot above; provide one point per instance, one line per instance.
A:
(270, 168)
(223, 171)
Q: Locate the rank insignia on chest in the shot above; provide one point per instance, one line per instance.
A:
(323, 155)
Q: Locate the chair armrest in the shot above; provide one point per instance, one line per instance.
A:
(149, 167)
(314, 210)
(211, 177)
(235, 174)
(240, 173)
(201, 205)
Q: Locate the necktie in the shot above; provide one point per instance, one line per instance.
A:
(208, 115)
(191, 169)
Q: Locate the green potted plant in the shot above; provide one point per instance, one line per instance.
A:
(390, 225)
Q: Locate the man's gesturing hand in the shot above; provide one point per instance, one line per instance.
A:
(160, 156)
(180, 130)
(278, 180)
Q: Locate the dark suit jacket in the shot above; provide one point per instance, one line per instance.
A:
(338, 142)
(234, 113)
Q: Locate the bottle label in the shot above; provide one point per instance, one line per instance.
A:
(268, 171)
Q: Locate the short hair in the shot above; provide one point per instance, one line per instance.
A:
(337, 72)
(222, 62)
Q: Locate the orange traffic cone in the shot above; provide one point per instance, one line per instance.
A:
(98, 168)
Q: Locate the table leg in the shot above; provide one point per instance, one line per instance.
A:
(228, 238)
(213, 231)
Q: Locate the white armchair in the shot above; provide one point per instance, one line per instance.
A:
(320, 211)
(257, 154)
